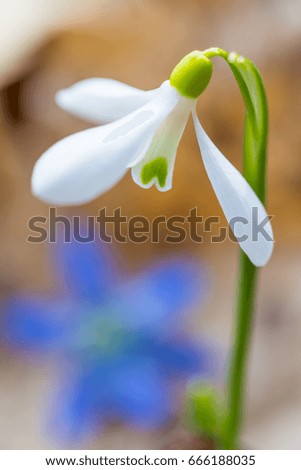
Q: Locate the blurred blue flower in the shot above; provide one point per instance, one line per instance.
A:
(118, 340)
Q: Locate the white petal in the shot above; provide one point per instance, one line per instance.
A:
(84, 165)
(237, 199)
(101, 100)
(158, 164)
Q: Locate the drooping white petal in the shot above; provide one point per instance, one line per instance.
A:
(157, 165)
(243, 209)
(102, 100)
(84, 165)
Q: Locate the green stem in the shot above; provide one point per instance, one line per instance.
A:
(237, 371)
(254, 169)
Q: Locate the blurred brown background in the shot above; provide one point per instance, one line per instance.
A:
(50, 44)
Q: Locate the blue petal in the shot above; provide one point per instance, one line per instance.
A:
(140, 394)
(184, 357)
(79, 407)
(34, 323)
(86, 268)
(157, 297)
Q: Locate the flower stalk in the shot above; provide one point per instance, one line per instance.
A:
(254, 170)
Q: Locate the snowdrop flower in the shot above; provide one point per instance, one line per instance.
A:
(142, 132)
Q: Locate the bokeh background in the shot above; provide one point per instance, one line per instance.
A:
(47, 45)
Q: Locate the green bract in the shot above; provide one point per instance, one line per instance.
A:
(192, 74)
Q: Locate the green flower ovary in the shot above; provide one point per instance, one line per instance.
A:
(192, 74)
(157, 168)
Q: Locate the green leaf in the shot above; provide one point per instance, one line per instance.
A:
(204, 409)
